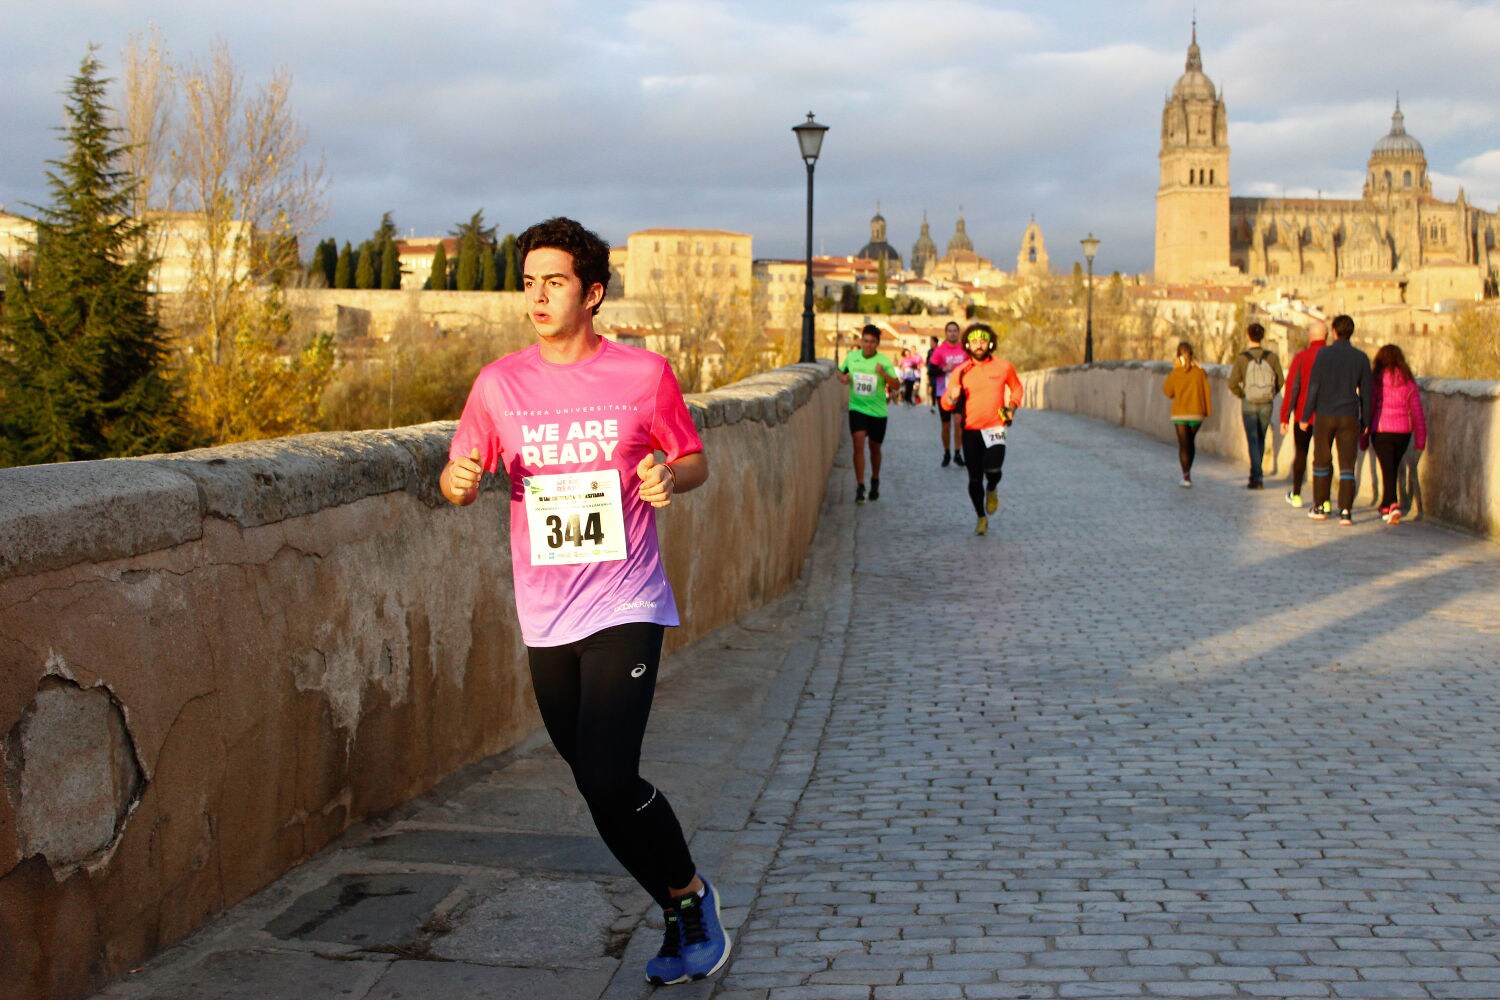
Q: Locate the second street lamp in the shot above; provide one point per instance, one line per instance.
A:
(810, 141)
(1090, 247)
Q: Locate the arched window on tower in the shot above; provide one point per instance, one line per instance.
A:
(1406, 179)
(1387, 179)
(1210, 175)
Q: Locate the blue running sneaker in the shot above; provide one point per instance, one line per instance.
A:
(705, 943)
(666, 968)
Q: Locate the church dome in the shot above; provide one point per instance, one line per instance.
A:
(1397, 142)
(1194, 84)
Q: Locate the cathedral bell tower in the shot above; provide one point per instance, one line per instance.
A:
(1192, 200)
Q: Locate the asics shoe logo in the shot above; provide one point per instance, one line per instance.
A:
(640, 670)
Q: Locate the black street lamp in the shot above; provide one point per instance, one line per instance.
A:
(810, 140)
(1090, 247)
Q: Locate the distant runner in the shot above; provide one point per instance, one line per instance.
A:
(943, 359)
(868, 374)
(990, 391)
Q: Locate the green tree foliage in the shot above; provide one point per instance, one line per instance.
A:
(325, 260)
(489, 278)
(510, 270)
(438, 280)
(364, 271)
(343, 271)
(880, 277)
(469, 251)
(390, 266)
(82, 357)
(849, 299)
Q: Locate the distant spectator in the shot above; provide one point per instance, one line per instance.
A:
(1255, 377)
(1398, 422)
(1187, 386)
(1337, 407)
(1291, 403)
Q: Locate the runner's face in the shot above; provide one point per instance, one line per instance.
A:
(952, 333)
(555, 298)
(979, 348)
(868, 345)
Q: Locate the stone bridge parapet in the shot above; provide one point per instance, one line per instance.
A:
(1457, 480)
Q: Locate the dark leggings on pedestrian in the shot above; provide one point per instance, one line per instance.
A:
(1301, 439)
(1389, 449)
(1187, 448)
(595, 697)
(983, 465)
(1326, 432)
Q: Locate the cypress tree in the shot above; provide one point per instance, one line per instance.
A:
(364, 271)
(510, 272)
(325, 258)
(390, 266)
(438, 279)
(490, 274)
(467, 279)
(343, 271)
(83, 358)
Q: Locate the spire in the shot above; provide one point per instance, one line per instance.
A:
(1194, 57)
(1398, 120)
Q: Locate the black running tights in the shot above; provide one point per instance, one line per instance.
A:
(595, 697)
(983, 465)
(1187, 448)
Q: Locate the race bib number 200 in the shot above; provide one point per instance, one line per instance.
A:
(575, 517)
(864, 383)
(993, 436)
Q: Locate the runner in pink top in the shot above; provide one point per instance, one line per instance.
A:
(944, 359)
(603, 414)
(575, 422)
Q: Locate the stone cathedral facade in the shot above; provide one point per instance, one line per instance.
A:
(1397, 233)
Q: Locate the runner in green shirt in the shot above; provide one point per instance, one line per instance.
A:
(867, 374)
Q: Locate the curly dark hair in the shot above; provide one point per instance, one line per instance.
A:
(590, 253)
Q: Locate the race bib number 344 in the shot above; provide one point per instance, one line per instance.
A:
(575, 517)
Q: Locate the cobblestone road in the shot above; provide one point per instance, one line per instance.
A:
(1138, 741)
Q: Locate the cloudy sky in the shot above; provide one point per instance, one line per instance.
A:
(637, 113)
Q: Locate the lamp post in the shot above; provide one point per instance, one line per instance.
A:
(1090, 247)
(810, 141)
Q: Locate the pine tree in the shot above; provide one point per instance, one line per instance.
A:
(438, 279)
(83, 359)
(390, 266)
(343, 272)
(364, 271)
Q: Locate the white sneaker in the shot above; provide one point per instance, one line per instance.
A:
(1186, 483)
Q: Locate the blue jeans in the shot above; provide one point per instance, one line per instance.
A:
(1257, 417)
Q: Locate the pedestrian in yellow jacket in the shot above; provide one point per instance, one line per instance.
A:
(1187, 386)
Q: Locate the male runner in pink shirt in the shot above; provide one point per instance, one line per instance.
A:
(576, 421)
(945, 358)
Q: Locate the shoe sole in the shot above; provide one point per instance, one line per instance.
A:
(991, 503)
(1394, 520)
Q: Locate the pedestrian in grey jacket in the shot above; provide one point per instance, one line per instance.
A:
(1255, 377)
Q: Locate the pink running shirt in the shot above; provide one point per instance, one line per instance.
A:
(605, 412)
(947, 357)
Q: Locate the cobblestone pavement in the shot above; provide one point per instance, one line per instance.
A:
(1141, 741)
(1138, 741)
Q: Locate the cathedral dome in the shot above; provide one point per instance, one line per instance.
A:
(1194, 84)
(1397, 142)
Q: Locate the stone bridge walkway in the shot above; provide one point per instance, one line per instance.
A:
(1139, 741)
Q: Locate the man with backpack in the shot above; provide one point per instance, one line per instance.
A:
(1256, 379)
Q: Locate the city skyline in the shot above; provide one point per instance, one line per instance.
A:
(668, 113)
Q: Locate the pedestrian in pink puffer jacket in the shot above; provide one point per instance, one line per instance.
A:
(1397, 423)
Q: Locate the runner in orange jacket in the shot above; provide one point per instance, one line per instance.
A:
(990, 391)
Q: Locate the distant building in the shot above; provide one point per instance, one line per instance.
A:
(924, 252)
(1031, 261)
(1397, 233)
(878, 248)
(414, 256)
(655, 258)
